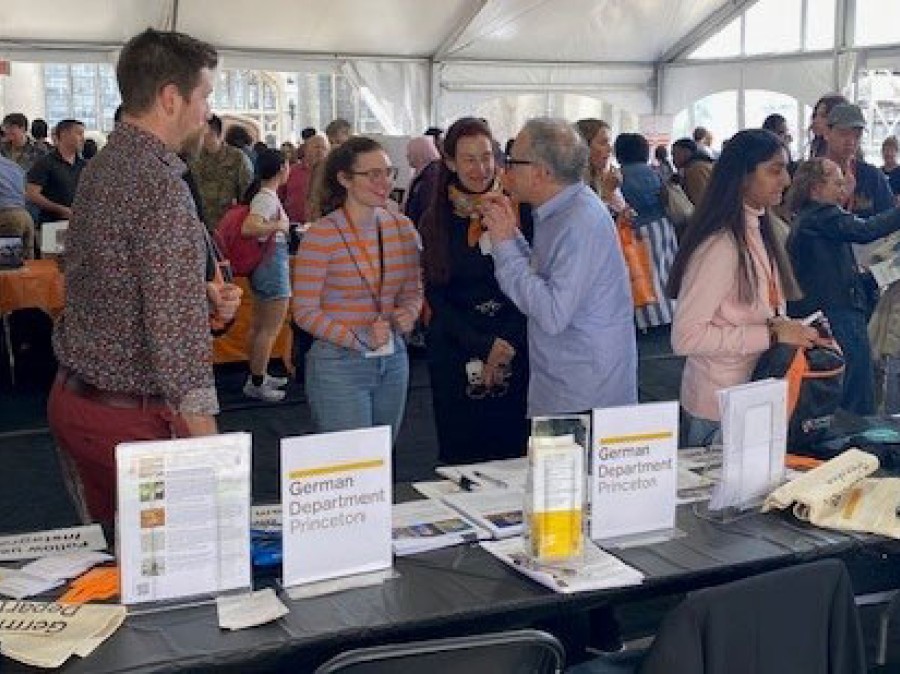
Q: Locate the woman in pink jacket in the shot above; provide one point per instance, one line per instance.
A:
(728, 277)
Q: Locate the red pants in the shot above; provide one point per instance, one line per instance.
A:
(87, 433)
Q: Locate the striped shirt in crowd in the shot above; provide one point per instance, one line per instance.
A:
(337, 279)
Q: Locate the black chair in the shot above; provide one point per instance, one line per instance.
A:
(530, 651)
(797, 620)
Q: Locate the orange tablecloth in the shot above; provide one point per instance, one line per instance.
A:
(232, 346)
(39, 284)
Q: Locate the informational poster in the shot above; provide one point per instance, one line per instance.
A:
(184, 517)
(634, 470)
(336, 504)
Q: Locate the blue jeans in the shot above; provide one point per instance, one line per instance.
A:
(851, 332)
(346, 390)
(698, 432)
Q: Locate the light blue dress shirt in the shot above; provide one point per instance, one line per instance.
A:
(573, 287)
(12, 184)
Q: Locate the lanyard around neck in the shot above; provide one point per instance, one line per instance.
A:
(769, 269)
(363, 248)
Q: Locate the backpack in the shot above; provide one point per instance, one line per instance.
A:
(244, 253)
(815, 379)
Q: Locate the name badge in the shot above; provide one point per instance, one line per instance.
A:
(386, 350)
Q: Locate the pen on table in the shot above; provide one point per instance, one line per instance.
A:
(467, 484)
(490, 480)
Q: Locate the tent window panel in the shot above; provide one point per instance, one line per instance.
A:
(759, 104)
(718, 113)
(725, 43)
(876, 22)
(879, 97)
(819, 24)
(772, 26)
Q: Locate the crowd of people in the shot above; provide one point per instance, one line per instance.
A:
(510, 260)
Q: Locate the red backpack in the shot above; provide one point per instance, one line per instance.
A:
(244, 253)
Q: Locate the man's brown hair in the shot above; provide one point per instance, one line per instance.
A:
(154, 59)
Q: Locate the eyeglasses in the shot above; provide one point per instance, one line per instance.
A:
(517, 162)
(378, 173)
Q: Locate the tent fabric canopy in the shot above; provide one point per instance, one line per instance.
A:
(419, 62)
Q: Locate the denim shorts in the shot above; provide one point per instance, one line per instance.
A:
(271, 279)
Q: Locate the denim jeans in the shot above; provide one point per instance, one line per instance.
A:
(346, 390)
(851, 332)
(697, 432)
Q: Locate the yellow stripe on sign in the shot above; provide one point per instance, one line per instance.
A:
(336, 468)
(637, 437)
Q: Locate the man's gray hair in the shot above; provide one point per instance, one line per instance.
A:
(556, 144)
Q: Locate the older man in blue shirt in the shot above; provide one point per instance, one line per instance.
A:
(15, 220)
(572, 284)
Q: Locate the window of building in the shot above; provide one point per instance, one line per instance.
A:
(717, 112)
(725, 43)
(819, 30)
(772, 27)
(879, 97)
(876, 22)
(775, 27)
(82, 91)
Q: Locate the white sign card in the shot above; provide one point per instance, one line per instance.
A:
(52, 542)
(754, 441)
(184, 517)
(634, 469)
(336, 504)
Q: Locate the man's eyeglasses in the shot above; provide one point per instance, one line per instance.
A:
(517, 162)
(378, 173)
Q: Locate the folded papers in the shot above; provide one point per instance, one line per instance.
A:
(44, 634)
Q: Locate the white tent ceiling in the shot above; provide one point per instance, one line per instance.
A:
(509, 30)
(426, 61)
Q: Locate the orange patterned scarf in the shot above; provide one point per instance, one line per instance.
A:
(465, 205)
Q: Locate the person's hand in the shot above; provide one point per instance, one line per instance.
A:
(849, 186)
(225, 299)
(794, 332)
(497, 363)
(381, 333)
(199, 424)
(498, 216)
(283, 226)
(65, 212)
(404, 321)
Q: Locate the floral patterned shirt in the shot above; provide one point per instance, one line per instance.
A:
(136, 315)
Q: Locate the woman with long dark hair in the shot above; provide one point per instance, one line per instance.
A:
(728, 278)
(357, 291)
(270, 281)
(476, 337)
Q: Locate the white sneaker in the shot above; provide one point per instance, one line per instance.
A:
(275, 382)
(262, 392)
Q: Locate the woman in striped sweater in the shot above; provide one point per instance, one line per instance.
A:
(357, 291)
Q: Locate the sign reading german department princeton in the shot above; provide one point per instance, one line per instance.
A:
(336, 504)
(634, 470)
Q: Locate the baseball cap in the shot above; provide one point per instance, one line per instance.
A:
(846, 116)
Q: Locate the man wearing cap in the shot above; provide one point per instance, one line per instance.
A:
(871, 193)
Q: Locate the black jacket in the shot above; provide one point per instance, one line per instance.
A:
(822, 257)
(799, 620)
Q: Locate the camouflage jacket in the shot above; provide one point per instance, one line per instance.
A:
(26, 157)
(222, 178)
